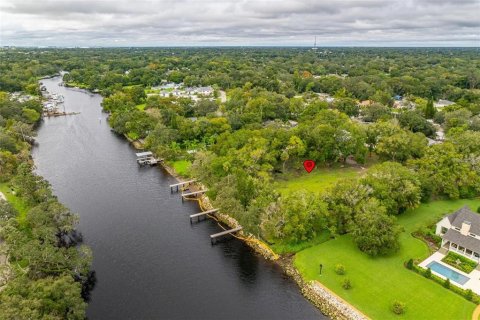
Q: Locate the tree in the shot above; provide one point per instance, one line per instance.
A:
(136, 94)
(295, 148)
(204, 107)
(395, 186)
(348, 106)
(343, 200)
(445, 172)
(375, 112)
(49, 298)
(415, 122)
(375, 232)
(457, 118)
(295, 218)
(430, 109)
(466, 142)
(401, 146)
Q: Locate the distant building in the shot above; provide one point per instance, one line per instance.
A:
(443, 103)
(366, 103)
(325, 97)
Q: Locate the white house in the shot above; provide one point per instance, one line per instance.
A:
(443, 103)
(460, 232)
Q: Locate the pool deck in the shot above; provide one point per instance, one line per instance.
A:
(474, 276)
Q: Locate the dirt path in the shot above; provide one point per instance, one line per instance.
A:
(476, 313)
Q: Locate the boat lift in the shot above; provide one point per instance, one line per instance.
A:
(144, 158)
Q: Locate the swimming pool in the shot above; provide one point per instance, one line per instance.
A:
(447, 272)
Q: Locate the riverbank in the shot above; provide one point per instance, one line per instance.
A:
(332, 307)
(321, 297)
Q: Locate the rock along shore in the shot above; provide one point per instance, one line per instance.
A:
(325, 300)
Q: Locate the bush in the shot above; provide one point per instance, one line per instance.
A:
(478, 209)
(346, 284)
(410, 264)
(428, 273)
(469, 294)
(446, 284)
(340, 269)
(398, 307)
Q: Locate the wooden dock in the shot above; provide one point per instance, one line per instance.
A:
(194, 194)
(213, 237)
(180, 184)
(201, 214)
(58, 114)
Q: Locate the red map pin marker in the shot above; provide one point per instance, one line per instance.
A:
(309, 165)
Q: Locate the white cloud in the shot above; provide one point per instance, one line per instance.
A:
(240, 22)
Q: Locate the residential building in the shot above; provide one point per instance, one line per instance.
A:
(460, 232)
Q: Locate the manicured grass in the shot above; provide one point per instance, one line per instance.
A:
(460, 262)
(21, 206)
(182, 167)
(285, 247)
(378, 282)
(77, 84)
(316, 181)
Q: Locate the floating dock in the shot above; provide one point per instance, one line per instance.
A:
(213, 237)
(201, 214)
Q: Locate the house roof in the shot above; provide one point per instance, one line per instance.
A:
(468, 242)
(144, 154)
(465, 214)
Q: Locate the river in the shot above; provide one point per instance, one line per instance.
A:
(150, 262)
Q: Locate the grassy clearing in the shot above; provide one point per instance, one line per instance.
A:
(378, 282)
(285, 247)
(18, 203)
(316, 181)
(182, 167)
(77, 84)
(141, 107)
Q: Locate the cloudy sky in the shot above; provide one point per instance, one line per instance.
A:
(240, 22)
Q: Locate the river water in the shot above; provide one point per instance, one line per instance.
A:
(150, 262)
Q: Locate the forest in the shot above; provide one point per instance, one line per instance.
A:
(375, 108)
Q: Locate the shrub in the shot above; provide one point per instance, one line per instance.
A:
(398, 307)
(469, 294)
(340, 269)
(428, 273)
(410, 264)
(346, 284)
(478, 209)
(446, 284)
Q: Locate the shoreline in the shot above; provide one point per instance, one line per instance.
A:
(321, 297)
(325, 300)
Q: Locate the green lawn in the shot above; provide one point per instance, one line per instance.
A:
(77, 84)
(377, 282)
(17, 202)
(181, 167)
(285, 247)
(317, 181)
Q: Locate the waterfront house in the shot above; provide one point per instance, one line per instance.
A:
(460, 232)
